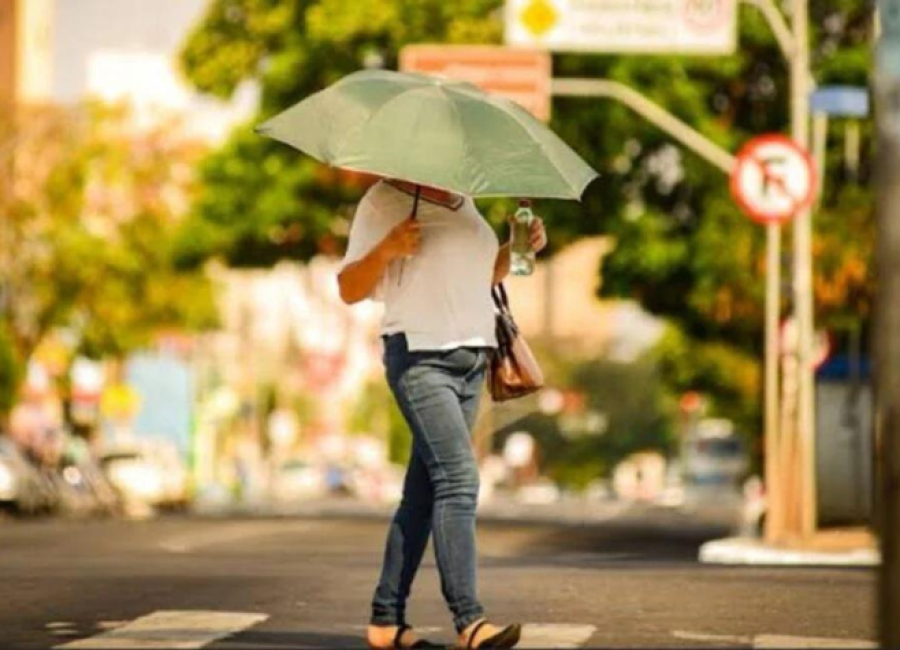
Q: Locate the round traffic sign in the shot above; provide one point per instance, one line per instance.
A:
(701, 15)
(773, 179)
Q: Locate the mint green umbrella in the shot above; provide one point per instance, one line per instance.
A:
(432, 131)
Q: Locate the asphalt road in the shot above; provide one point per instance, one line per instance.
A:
(280, 583)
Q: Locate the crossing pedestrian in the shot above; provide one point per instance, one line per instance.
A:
(431, 258)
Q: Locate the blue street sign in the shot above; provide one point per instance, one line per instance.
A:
(840, 101)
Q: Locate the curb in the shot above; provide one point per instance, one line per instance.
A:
(744, 550)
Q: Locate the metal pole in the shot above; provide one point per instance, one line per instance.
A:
(887, 319)
(819, 148)
(803, 299)
(774, 486)
(779, 27)
(652, 112)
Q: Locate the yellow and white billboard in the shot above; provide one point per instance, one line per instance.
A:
(623, 26)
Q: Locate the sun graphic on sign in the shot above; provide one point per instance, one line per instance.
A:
(539, 17)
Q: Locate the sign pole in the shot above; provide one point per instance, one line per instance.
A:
(887, 320)
(774, 488)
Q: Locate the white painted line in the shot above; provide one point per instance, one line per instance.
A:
(718, 639)
(773, 641)
(420, 630)
(555, 635)
(110, 625)
(179, 630)
(534, 635)
(780, 641)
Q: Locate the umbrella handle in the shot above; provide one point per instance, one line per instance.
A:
(415, 210)
(414, 215)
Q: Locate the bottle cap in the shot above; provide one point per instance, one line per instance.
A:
(524, 203)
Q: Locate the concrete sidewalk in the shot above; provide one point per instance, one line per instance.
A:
(839, 547)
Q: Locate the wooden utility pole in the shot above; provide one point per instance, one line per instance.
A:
(887, 319)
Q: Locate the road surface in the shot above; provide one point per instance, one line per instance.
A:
(306, 583)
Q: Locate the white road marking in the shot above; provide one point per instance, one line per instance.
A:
(110, 625)
(774, 641)
(718, 639)
(59, 624)
(555, 635)
(182, 630)
(781, 641)
(534, 635)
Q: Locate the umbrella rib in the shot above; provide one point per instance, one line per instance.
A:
(340, 148)
(459, 119)
(549, 153)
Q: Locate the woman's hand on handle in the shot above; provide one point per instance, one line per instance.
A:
(358, 280)
(403, 240)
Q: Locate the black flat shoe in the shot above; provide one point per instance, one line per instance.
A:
(508, 637)
(421, 643)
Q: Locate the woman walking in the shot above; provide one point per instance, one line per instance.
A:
(434, 273)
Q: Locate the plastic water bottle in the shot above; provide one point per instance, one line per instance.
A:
(521, 254)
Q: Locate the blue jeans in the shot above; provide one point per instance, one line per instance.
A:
(438, 393)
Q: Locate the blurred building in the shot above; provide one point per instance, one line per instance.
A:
(560, 301)
(26, 51)
(64, 51)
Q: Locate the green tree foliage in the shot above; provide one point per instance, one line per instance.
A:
(375, 413)
(90, 209)
(682, 247)
(10, 372)
(611, 410)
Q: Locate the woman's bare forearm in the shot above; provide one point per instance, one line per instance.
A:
(501, 264)
(358, 280)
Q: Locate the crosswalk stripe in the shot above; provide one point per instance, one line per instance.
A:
(182, 630)
(781, 641)
(773, 641)
(555, 635)
(720, 639)
(534, 635)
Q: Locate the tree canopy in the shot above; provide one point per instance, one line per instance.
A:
(90, 211)
(682, 247)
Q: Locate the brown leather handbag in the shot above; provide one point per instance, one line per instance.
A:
(513, 371)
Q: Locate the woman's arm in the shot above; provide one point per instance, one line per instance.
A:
(538, 240)
(501, 264)
(358, 279)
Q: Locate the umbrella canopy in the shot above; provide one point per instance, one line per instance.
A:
(432, 131)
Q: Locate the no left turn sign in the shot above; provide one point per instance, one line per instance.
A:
(773, 179)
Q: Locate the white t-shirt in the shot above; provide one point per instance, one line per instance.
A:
(442, 298)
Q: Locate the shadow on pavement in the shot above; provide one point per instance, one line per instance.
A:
(606, 545)
(275, 639)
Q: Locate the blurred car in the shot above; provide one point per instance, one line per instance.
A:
(24, 487)
(147, 476)
(84, 489)
(540, 492)
(297, 479)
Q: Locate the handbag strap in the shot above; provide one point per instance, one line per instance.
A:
(501, 300)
